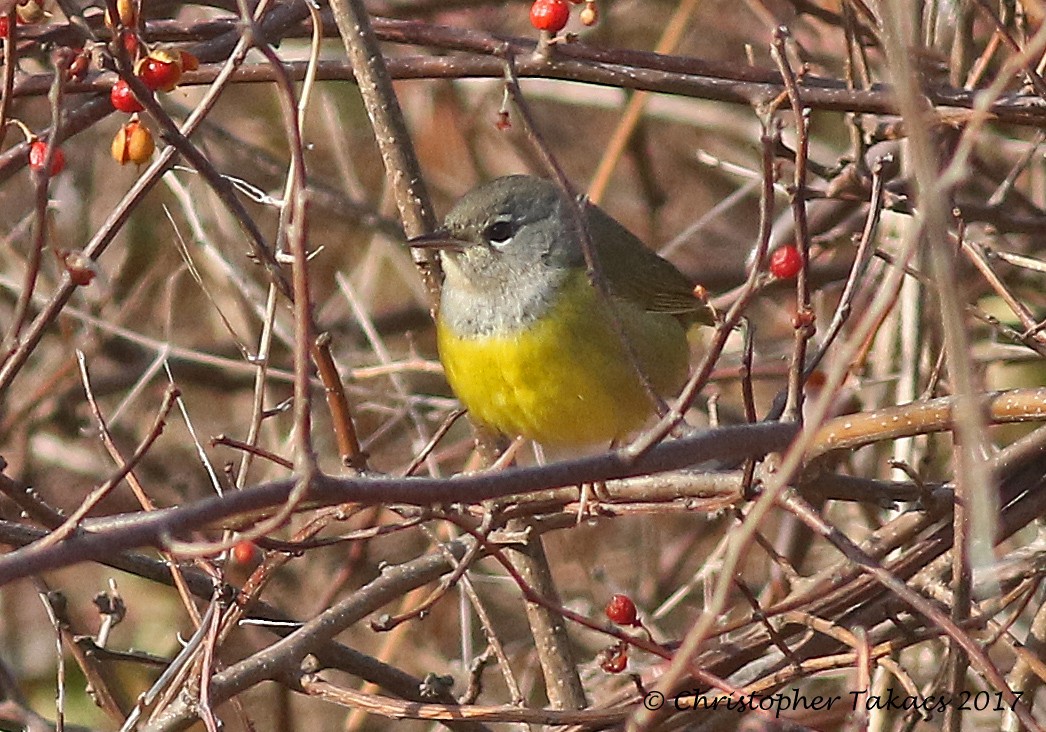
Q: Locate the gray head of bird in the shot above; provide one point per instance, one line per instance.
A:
(513, 229)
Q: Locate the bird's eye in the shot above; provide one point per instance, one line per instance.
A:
(499, 233)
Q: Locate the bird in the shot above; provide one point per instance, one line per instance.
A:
(527, 341)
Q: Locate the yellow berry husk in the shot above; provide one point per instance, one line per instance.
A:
(140, 144)
(128, 12)
(119, 147)
(133, 144)
(167, 56)
(30, 12)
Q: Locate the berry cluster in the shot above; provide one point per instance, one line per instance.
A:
(621, 610)
(158, 69)
(30, 12)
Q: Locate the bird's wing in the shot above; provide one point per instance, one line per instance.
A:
(636, 273)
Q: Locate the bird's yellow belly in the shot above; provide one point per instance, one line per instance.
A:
(566, 379)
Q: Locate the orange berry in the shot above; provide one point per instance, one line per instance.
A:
(245, 553)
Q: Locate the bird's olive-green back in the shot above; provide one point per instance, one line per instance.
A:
(640, 275)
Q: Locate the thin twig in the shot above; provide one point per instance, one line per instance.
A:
(804, 317)
(401, 165)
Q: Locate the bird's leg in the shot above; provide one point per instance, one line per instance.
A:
(508, 457)
(592, 493)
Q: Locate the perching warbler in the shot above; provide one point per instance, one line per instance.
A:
(527, 341)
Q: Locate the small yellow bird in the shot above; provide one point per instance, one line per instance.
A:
(527, 341)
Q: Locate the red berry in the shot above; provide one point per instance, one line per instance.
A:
(130, 42)
(616, 660)
(160, 71)
(785, 262)
(189, 61)
(123, 99)
(82, 270)
(549, 15)
(38, 156)
(3, 26)
(816, 379)
(621, 610)
(246, 553)
(80, 65)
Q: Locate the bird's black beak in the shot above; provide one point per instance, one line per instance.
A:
(440, 239)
